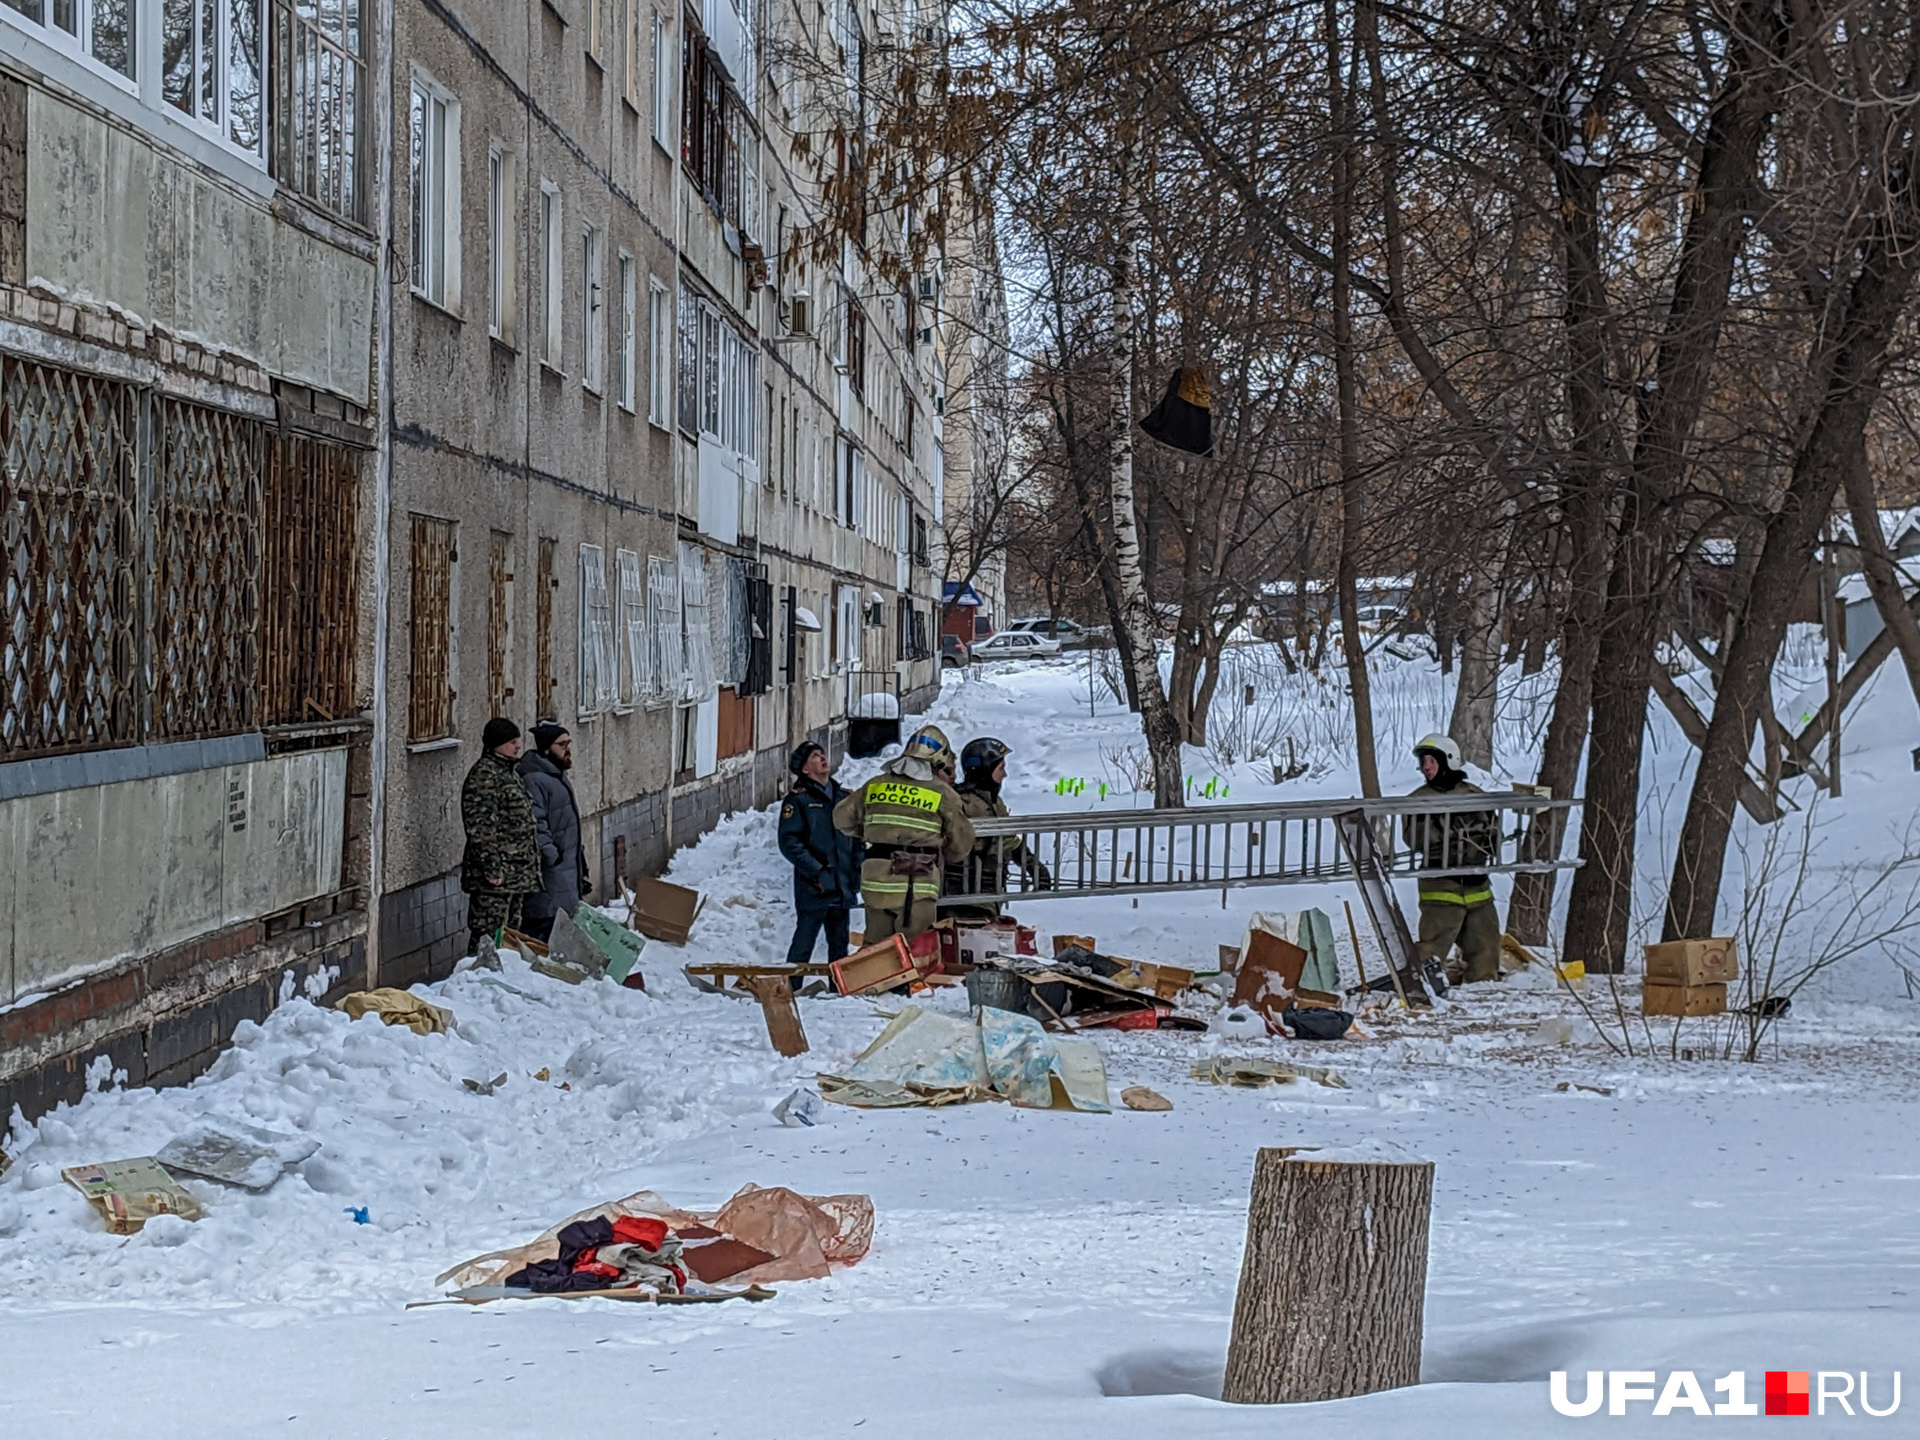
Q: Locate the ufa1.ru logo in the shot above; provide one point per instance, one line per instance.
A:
(1786, 1392)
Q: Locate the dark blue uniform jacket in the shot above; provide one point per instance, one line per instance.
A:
(826, 864)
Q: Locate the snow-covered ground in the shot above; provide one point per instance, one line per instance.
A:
(1033, 1273)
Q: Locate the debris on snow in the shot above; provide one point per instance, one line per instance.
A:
(128, 1193)
(236, 1153)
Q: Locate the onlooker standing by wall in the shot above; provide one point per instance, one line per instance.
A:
(502, 861)
(556, 817)
(826, 863)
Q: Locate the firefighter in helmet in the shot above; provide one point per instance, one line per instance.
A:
(1456, 908)
(983, 769)
(913, 824)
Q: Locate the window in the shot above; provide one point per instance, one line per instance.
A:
(689, 364)
(710, 328)
(633, 630)
(699, 679)
(629, 360)
(662, 82)
(596, 32)
(102, 30)
(593, 342)
(319, 99)
(549, 273)
(499, 622)
(501, 249)
(210, 62)
(599, 661)
(856, 346)
(545, 683)
(717, 141)
(659, 355)
(663, 629)
(430, 680)
(630, 53)
(435, 166)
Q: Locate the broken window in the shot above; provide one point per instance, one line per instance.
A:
(499, 622)
(599, 661)
(697, 625)
(633, 629)
(430, 679)
(663, 629)
(545, 706)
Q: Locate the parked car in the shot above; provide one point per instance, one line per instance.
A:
(954, 653)
(1070, 633)
(1015, 645)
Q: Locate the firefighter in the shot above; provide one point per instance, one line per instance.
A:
(983, 769)
(912, 823)
(1454, 909)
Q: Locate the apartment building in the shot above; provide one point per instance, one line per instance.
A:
(369, 368)
(189, 248)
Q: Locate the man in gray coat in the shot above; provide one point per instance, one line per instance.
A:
(563, 869)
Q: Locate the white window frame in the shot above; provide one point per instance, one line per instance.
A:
(599, 660)
(700, 681)
(502, 249)
(630, 54)
(552, 231)
(201, 66)
(77, 43)
(659, 354)
(629, 357)
(593, 307)
(433, 146)
(665, 73)
(597, 32)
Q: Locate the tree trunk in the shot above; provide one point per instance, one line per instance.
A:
(1333, 1284)
(1473, 698)
(1599, 908)
(1874, 306)
(1139, 621)
(1883, 576)
(1353, 495)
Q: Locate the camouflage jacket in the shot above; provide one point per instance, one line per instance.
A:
(503, 844)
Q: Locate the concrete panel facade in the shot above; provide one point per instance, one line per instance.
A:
(191, 256)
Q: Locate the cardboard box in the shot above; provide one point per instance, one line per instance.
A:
(1694, 962)
(128, 1193)
(1269, 975)
(976, 943)
(664, 912)
(1658, 999)
(1164, 981)
(1068, 942)
(874, 967)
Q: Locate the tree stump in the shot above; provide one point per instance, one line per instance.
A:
(783, 1017)
(1333, 1287)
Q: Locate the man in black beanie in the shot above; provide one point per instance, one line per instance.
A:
(502, 861)
(556, 818)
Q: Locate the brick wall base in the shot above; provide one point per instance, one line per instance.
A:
(164, 1018)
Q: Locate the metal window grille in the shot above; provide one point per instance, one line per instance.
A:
(663, 628)
(67, 498)
(544, 682)
(633, 628)
(499, 622)
(308, 582)
(430, 682)
(206, 571)
(599, 661)
(319, 79)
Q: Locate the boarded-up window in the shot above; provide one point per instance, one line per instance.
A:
(499, 623)
(430, 682)
(545, 703)
(633, 630)
(736, 723)
(663, 629)
(759, 633)
(599, 661)
(308, 629)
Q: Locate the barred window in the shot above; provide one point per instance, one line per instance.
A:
(599, 662)
(633, 629)
(308, 581)
(430, 680)
(499, 622)
(663, 629)
(545, 683)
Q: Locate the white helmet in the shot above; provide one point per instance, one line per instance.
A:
(1442, 748)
